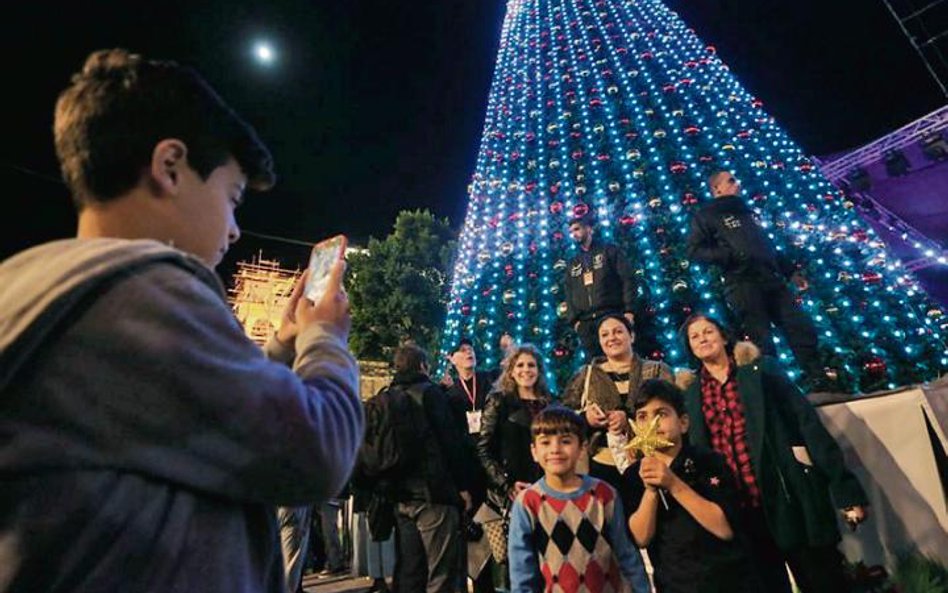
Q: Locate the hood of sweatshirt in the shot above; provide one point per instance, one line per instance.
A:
(40, 287)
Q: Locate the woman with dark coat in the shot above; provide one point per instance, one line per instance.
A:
(504, 444)
(789, 469)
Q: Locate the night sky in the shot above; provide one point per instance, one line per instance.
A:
(374, 107)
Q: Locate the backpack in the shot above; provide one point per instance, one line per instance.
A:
(396, 430)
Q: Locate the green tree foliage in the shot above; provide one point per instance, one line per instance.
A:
(398, 287)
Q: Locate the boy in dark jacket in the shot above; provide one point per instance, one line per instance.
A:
(685, 505)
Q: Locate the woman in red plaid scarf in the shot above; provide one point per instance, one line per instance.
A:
(789, 469)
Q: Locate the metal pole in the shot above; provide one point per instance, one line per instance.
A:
(928, 66)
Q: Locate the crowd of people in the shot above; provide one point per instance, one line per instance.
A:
(149, 445)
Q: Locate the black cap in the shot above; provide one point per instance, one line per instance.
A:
(462, 342)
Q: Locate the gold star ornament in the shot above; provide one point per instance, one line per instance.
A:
(646, 439)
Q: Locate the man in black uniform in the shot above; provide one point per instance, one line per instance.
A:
(598, 282)
(724, 233)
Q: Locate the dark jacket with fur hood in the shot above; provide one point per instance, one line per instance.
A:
(798, 466)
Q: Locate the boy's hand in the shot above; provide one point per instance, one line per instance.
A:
(655, 473)
(288, 326)
(854, 516)
(332, 309)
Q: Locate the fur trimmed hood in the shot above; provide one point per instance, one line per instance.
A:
(745, 353)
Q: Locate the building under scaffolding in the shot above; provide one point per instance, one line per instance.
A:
(259, 293)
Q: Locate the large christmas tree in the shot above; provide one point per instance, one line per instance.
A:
(616, 107)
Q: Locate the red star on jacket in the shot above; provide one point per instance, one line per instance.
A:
(715, 481)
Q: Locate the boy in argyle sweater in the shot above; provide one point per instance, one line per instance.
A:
(567, 532)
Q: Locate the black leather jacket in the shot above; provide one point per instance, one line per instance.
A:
(504, 446)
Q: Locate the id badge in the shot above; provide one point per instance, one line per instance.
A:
(474, 422)
(587, 278)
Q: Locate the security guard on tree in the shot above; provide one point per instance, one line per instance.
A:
(724, 233)
(598, 282)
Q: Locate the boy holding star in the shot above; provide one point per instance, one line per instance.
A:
(684, 502)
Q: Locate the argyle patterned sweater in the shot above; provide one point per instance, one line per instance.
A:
(572, 542)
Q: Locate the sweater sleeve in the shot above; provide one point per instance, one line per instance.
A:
(525, 576)
(573, 394)
(277, 351)
(630, 561)
(190, 399)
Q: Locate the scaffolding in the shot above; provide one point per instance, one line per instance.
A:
(931, 252)
(261, 289)
(925, 23)
(920, 129)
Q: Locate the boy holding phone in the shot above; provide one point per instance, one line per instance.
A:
(147, 440)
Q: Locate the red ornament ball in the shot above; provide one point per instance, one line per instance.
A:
(875, 367)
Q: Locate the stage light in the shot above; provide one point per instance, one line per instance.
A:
(896, 164)
(935, 147)
(859, 180)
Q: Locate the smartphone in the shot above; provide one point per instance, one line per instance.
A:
(324, 255)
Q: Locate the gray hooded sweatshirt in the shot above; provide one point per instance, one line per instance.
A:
(144, 439)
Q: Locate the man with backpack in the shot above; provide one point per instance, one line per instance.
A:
(414, 451)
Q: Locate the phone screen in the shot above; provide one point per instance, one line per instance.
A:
(324, 255)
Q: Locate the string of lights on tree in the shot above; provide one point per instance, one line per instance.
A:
(617, 108)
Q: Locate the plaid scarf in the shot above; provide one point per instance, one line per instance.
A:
(724, 415)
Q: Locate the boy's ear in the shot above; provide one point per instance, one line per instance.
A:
(167, 160)
(533, 452)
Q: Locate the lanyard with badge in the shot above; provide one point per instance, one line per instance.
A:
(587, 270)
(473, 415)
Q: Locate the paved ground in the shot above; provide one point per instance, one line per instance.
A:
(340, 584)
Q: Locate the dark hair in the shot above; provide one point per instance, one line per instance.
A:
(409, 358)
(585, 220)
(505, 382)
(725, 333)
(120, 106)
(557, 419)
(661, 390)
(618, 317)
